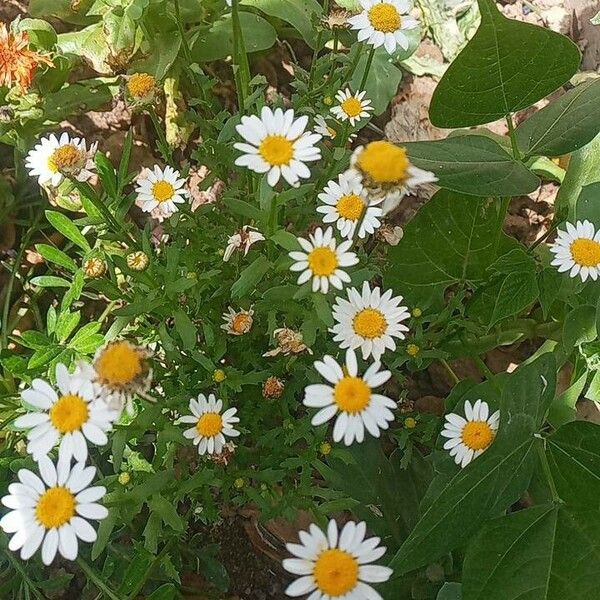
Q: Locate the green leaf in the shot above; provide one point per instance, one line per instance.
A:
(450, 591)
(507, 65)
(547, 552)
(56, 256)
(300, 15)
(167, 512)
(250, 277)
(65, 10)
(579, 326)
(563, 408)
(285, 239)
(217, 43)
(186, 329)
(66, 323)
(574, 458)
(473, 164)
(564, 125)
(382, 82)
(64, 225)
(518, 291)
(588, 204)
(167, 591)
(41, 34)
(88, 333)
(77, 98)
(104, 530)
(452, 239)
(49, 281)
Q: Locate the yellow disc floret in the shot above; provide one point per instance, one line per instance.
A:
(65, 158)
(585, 252)
(119, 364)
(369, 323)
(322, 261)
(162, 191)
(141, 85)
(277, 150)
(385, 17)
(351, 106)
(69, 413)
(383, 163)
(55, 507)
(209, 424)
(336, 572)
(352, 394)
(477, 435)
(350, 207)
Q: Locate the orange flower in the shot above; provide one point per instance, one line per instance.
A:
(18, 64)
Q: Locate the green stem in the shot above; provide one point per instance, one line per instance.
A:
(241, 66)
(157, 560)
(96, 579)
(450, 370)
(513, 137)
(163, 145)
(367, 69)
(546, 469)
(318, 47)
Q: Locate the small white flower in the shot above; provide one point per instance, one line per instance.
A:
(369, 321)
(384, 23)
(323, 129)
(277, 145)
(323, 261)
(387, 173)
(351, 398)
(352, 107)
(51, 511)
(244, 238)
(71, 418)
(54, 158)
(577, 250)
(335, 565)
(470, 437)
(345, 201)
(210, 426)
(161, 189)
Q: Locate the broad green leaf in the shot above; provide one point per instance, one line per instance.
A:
(285, 239)
(473, 164)
(563, 408)
(66, 323)
(564, 125)
(299, 15)
(217, 42)
(574, 458)
(382, 82)
(588, 204)
(56, 256)
(450, 591)
(518, 291)
(49, 281)
(66, 10)
(41, 34)
(452, 239)
(250, 277)
(167, 591)
(547, 552)
(508, 65)
(64, 225)
(186, 329)
(579, 327)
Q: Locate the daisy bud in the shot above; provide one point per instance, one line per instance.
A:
(412, 349)
(124, 478)
(137, 261)
(325, 448)
(239, 483)
(94, 267)
(219, 375)
(416, 313)
(410, 423)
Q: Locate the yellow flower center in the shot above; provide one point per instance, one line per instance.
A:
(209, 424)
(336, 572)
(276, 150)
(64, 157)
(162, 191)
(352, 394)
(352, 106)
(322, 261)
(477, 435)
(585, 252)
(384, 162)
(369, 323)
(141, 85)
(69, 413)
(385, 17)
(55, 507)
(412, 349)
(241, 323)
(119, 364)
(350, 207)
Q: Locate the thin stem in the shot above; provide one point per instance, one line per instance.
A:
(242, 72)
(547, 472)
(513, 137)
(318, 47)
(367, 69)
(163, 145)
(450, 370)
(186, 47)
(96, 580)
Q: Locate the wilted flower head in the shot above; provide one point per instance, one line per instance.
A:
(18, 64)
(237, 322)
(243, 239)
(141, 88)
(272, 388)
(288, 342)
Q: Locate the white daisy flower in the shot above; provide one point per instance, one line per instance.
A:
(471, 436)
(369, 321)
(335, 565)
(161, 189)
(352, 107)
(52, 511)
(210, 426)
(384, 23)
(243, 239)
(55, 158)
(346, 202)
(323, 261)
(74, 417)
(323, 129)
(387, 172)
(577, 250)
(351, 398)
(277, 145)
